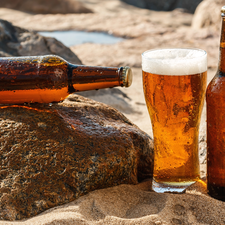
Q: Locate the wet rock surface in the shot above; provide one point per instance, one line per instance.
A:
(51, 155)
(16, 41)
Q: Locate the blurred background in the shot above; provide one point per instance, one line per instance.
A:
(111, 33)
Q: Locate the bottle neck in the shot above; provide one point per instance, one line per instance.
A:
(84, 78)
(222, 48)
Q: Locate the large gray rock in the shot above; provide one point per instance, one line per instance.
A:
(43, 6)
(51, 155)
(15, 41)
(165, 5)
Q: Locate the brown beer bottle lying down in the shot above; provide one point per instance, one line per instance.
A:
(215, 98)
(46, 79)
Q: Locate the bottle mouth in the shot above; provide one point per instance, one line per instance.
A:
(223, 11)
(127, 76)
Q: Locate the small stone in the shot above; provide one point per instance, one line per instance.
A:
(158, 223)
(179, 210)
(177, 221)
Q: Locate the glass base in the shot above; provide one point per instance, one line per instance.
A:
(171, 187)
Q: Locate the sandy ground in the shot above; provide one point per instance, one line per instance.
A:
(135, 205)
(131, 204)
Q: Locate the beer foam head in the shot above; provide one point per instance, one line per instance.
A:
(174, 61)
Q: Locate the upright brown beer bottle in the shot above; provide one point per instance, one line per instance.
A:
(215, 97)
(46, 79)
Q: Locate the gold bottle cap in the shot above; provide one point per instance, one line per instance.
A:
(127, 76)
(223, 9)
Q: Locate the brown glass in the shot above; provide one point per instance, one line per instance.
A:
(46, 79)
(215, 97)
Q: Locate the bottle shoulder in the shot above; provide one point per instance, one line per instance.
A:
(217, 85)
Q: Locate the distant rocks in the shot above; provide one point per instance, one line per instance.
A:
(46, 7)
(208, 14)
(15, 41)
(165, 5)
(51, 155)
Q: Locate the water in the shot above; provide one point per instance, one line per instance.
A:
(70, 38)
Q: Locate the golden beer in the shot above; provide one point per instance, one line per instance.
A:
(174, 87)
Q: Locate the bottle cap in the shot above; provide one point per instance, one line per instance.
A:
(223, 9)
(127, 76)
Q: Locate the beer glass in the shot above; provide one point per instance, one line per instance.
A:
(174, 83)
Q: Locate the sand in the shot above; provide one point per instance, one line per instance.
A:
(133, 205)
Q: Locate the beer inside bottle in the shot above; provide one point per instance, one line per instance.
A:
(215, 98)
(46, 79)
(174, 82)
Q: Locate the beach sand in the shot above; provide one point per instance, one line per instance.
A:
(135, 205)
